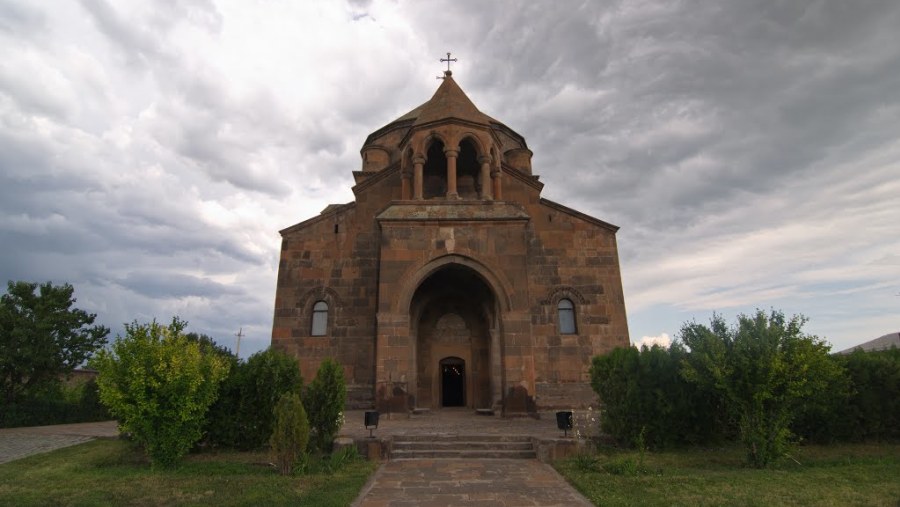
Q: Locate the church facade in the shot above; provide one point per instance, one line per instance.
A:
(449, 281)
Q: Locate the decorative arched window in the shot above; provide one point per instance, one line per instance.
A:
(319, 319)
(434, 183)
(566, 316)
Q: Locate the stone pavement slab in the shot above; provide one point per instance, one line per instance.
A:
(482, 482)
(16, 443)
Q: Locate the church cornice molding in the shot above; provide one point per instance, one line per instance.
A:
(400, 125)
(335, 210)
(577, 214)
(528, 179)
(375, 178)
(452, 211)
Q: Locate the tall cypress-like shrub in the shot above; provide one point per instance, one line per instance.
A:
(290, 434)
(324, 400)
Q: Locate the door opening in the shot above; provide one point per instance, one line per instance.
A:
(453, 382)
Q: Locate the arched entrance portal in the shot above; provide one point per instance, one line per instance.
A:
(452, 314)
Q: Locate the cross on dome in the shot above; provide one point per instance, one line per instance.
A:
(447, 73)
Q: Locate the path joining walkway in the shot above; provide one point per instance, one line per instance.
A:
(469, 482)
(457, 482)
(16, 443)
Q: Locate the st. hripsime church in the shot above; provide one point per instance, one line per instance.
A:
(449, 281)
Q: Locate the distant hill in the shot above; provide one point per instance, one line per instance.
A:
(883, 343)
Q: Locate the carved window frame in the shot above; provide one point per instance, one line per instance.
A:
(553, 299)
(307, 307)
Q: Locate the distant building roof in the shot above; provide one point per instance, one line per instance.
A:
(883, 343)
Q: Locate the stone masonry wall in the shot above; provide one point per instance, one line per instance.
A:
(573, 258)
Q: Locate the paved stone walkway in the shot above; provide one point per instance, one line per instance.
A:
(16, 443)
(483, 482)
(451, 482)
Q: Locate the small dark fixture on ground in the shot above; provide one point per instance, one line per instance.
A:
(371, 422)
(564, 421)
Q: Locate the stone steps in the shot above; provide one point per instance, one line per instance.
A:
(462, 447)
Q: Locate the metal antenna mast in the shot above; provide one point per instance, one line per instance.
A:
(239, 334)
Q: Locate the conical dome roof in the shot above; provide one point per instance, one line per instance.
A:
(449, 101)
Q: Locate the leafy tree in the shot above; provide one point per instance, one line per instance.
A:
(324, 400)
(42, 337)
(291, 432)
(764, 367)
(159, 385)
(209, 345)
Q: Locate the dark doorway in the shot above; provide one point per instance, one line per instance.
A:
(453, 382)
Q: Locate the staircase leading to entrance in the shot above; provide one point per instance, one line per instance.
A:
(462, 447)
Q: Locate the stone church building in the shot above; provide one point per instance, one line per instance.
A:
(449, 281)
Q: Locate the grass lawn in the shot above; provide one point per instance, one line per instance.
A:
(113, 472)
(839, 475)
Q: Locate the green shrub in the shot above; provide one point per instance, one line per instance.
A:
(863, 403)
(159, 386)
(873, 406)
(765, 368)
(824, 416)
(56, 403)
(324, 400)
(291, 433)
(242, 417)
(642, 391)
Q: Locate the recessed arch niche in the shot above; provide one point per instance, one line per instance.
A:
(452, 313)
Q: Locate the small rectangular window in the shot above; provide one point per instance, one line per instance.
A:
(319, 319)
(566, 317)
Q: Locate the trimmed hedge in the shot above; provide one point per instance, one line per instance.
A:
(644, 390)
(243, 415)
(864, 405)
(57, 404)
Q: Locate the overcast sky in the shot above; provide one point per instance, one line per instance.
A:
(749, 150)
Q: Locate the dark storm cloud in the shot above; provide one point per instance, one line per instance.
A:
(149, 153)
(759, 92)
(163, 284)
